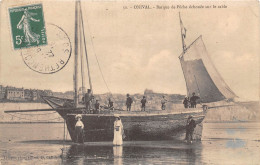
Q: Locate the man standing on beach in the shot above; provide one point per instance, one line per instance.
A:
(190, 129)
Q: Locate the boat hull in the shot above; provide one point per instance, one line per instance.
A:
(143, 126)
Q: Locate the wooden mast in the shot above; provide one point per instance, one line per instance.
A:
(181, 56)
(83, 82)
(76, 40)
(183, 35)
(79, 39)
(83, 33)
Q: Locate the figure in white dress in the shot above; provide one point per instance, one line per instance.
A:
(79, 129)
(118, 131)
(24, 24)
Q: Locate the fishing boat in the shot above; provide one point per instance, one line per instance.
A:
(200, 75)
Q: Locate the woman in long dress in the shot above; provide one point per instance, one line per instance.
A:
(118, 131)
(79, 129)
(24, 24)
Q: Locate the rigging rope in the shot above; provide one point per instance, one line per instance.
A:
(92, 43)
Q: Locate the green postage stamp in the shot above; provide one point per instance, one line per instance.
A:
(27, 26)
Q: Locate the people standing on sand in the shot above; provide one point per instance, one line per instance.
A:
(79, 129)
(193, 100)
(163, 102)
(129, 102)
(118, 131)
(143, 102)
(191, 124)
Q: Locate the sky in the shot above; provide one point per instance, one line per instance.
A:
(138, 49)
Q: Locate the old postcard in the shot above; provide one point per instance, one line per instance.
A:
(129, 82)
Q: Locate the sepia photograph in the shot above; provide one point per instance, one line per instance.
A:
(129, 82)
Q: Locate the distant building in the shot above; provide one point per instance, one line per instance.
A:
(48, 92)
(15, 94)
(21, 94)
(148, 91)
(27, 94)
(69, 94)
(2, 92)
(34, 95)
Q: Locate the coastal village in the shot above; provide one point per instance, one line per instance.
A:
(14, 94)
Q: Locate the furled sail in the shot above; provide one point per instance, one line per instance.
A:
(201, 75)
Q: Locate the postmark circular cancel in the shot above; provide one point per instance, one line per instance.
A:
(52, 57)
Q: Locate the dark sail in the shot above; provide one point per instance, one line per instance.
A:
(201, 76)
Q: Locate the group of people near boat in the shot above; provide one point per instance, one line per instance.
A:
(191, 102)
(119, 134)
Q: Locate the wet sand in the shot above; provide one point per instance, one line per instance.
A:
(222, 143)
